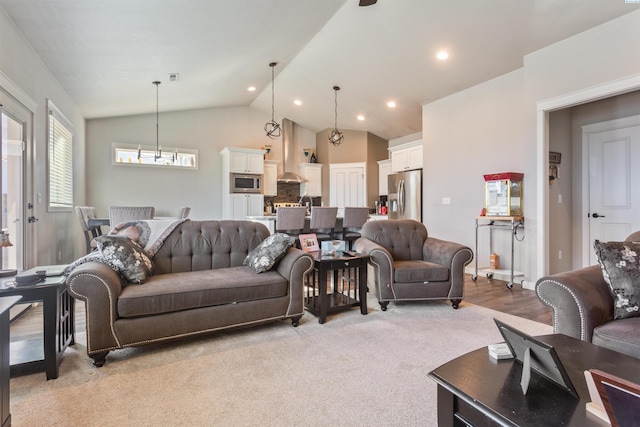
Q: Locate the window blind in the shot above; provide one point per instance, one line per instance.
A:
(60, 141)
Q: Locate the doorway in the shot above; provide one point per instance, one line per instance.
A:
(347, 185)
(15, 149)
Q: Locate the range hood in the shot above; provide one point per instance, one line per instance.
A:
(288, 176)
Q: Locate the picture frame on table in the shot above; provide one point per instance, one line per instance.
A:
(309, 242)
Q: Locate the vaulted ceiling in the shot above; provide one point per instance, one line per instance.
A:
(106, 53)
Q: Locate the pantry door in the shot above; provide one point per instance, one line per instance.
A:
(347, 185)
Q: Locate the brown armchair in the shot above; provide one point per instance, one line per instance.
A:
(409, 265)
(582, 308)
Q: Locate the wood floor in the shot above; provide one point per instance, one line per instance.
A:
(492, 294)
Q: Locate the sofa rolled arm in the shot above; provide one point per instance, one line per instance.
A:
(580, 301)
(452, 255)
(99, 286)
(382, 263)
(294, 267)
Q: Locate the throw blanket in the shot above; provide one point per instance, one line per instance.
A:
(148, 233)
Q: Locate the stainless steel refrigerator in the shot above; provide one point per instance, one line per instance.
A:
(404, 200)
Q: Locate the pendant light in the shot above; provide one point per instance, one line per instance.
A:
(272, 128)
(158, 154)
(336, 137)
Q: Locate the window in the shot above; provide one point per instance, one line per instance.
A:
(60, 160)
(124, 154)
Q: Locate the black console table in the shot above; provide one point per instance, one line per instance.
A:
(5, 305)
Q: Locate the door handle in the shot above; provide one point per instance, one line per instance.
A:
(596, 215)
(32, 219)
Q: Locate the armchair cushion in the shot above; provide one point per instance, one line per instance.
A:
(419, 271)
(620, 263)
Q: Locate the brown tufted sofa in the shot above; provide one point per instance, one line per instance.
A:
(582, 308)
(409, 265)
(199, 285)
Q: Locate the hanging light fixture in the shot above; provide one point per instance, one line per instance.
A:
(336, 137)
(158, 153)
(272, 128)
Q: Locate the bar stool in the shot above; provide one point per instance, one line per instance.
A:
(290, 220)
(353, 220)
(323, 221)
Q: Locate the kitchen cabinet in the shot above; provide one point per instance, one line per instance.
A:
(243, 205)
(406, 156)
(270, 177)
(243, 160)
(312, 172)
(384, 169)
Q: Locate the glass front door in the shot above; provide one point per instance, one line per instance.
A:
(11, 178)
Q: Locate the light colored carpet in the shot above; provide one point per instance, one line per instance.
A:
(352, 371)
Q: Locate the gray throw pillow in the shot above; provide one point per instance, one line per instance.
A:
(126, 257)
(620, 263)
(267, 254)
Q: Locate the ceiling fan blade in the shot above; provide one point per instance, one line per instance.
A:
(367, 2)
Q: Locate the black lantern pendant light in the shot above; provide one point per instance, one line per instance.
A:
(158, 154)
(336, 137)
(272, 128)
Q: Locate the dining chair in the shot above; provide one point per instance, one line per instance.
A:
(85, 213)
(323, 222)
(184, 212)
(120, 214)
(290, 220)
(352, 222)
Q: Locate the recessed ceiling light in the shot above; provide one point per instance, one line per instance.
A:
(391, 104)
(297, 102)
(442, 55)
(251, 88)
(360, 117)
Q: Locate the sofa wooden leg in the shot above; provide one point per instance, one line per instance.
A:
(99, 358)
(455, 303)
(295, 321)
(383, 305)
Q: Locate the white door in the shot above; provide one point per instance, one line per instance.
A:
(614, 184)
(15, 183)
(347, 185)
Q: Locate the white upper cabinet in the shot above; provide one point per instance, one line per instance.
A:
(271, 177)
(312, 172)
(384, 169)
(244, 160)
(406, 156)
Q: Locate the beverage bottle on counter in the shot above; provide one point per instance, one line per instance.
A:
(383, 209)
(377, 206)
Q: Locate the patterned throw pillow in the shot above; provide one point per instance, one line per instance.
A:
(267, 254)
(620, 263)
(126, 257)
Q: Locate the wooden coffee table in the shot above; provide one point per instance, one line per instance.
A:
(349, 284)
(475, 389)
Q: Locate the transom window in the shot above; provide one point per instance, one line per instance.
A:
(146, 155)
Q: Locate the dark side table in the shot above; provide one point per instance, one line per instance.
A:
(349, 284)
(5, 305)
(58, 323)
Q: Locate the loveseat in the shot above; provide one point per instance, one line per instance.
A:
(583, 307)
(407, 264)
(199, 285)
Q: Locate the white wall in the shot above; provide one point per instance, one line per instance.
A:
(207, 130)
(56, 233)
(492, 128)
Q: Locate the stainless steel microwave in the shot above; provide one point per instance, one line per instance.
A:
(246, 183)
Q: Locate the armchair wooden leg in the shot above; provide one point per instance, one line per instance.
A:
(99, 358)
(383, 305)
(455, 303)
(295, 321)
